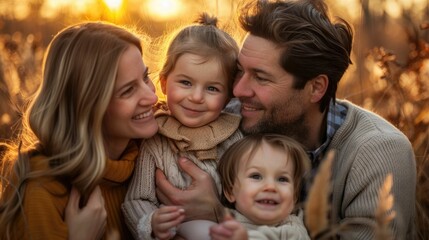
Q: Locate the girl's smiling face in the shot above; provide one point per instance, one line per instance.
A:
(196, 90)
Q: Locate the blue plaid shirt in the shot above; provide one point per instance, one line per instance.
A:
(336, 117)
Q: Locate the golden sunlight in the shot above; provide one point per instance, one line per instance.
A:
(51, 8)
(113, 4)
(164, 9)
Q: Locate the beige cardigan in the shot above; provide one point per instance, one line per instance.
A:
(368, 148)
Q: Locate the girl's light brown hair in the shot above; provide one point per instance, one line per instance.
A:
(244, 149)
(204, 39)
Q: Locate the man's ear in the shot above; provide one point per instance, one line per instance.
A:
(163, 82)
(319, 86)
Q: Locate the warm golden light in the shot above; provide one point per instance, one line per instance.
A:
(113, 4)
(51, 8)
(164, 9)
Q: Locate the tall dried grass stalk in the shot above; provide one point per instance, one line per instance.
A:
(384, 213)
(404, 101)
(317, 205)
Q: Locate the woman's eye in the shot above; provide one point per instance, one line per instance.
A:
(240, 73)
(127, 91)
(146, 79)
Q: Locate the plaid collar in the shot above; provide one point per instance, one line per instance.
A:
(336, 116)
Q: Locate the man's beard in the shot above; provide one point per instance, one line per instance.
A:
(294, 128)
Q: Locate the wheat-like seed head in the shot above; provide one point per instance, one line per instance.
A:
(317, 204)
(384, 213)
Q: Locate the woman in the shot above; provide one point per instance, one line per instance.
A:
(67, 174)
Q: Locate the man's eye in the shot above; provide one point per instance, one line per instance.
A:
(260, 79)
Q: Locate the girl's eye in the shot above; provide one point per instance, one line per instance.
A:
(213, 89)
(255, 176)
(283, 179)
(185, 82)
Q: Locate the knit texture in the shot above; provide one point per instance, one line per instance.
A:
(203, 146)
(45, 201)
(292, 228)
(368, 148)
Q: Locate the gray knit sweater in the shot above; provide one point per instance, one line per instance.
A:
(367, 149)
(203, 146)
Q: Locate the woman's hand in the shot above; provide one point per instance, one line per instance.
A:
(88, 222)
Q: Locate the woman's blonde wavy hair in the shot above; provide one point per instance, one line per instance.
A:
(64, 120)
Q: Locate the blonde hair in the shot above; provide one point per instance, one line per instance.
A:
(64, 120)
(245, 148)
(206, 40)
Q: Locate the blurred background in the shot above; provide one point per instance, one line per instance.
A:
(389, 75)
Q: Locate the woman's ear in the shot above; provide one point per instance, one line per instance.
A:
(319, 86)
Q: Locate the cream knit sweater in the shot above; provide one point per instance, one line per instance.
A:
(291, 228)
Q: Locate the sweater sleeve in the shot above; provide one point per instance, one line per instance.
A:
(374, 159)
(44, 211)
(140, 201)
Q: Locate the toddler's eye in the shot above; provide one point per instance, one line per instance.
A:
(283, 179)
(255, 176)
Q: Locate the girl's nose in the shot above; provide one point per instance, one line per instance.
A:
(197, 95)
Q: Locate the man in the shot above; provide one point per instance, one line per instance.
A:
(289, 66)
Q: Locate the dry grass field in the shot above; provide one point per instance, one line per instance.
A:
(389, 75)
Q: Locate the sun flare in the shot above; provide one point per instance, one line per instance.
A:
(113, 4)
(164, 9)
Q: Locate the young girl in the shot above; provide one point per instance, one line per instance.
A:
(261, 177)
(197, 78)
(67, 174)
